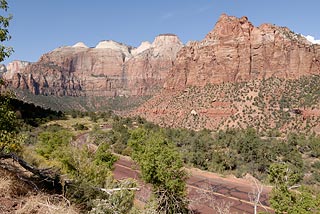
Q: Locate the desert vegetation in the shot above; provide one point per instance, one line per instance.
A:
(84, 103)
(85, 170)
(62, 162)
(81, 174)
(278, 104)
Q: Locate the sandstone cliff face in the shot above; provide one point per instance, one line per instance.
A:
(216, 83)
(15, 67)
(109, 69)
(149, 68)
(236, 51)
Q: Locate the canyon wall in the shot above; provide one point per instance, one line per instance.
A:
(109, 69)
(237, 51)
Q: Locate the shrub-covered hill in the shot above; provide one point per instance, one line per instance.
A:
(32, 114)
(270, 104)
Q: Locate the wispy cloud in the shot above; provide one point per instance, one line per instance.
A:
(203, 9)
(167, 16)
(312, 39)
(185, 12)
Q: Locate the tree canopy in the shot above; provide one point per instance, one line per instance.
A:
(161, 166)
(4, 32)
(283, 199)
(10, 139)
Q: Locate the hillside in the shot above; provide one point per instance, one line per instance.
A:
(239, 75)
(237, 51)
(271, 104)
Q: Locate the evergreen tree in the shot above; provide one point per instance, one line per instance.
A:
(161, 166)
(283, 199)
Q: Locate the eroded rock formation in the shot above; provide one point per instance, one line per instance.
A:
(217, 82)
(236, 51)
(109, 69)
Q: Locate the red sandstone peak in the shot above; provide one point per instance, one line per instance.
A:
(230, 26)
(110, 69)
(236, 51)
(233, 51)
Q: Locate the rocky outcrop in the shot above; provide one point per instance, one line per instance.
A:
(15, 67)
(80, 45)
(109, 69)
(217, 83)
(144, 46)
(150, 67)
(236, 51)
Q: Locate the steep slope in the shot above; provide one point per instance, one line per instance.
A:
(272, 104)
(150, 67)
(109, 69)
(236, 51)
(239, 76)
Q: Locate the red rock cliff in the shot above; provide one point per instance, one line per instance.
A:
(236, 51)
(109, 69)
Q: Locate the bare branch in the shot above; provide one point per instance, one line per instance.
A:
(207, 195)
(294, 187)
(255, 194)
(45, 174)
(110, 191)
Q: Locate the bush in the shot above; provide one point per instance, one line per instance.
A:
(79, 127)
(161, 166)
(51, 143)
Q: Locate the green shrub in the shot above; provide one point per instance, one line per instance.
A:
(79, 127)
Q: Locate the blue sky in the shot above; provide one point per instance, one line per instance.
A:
(39, 26)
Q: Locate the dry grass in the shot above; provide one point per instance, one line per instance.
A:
(10, 185)
(19, 197)
(72, 121)
(46, 204)
(5, 186)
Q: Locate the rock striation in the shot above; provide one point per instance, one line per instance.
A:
(237, 51)
(110, 69)
(149, 68)
(234, 51)
(240, 75)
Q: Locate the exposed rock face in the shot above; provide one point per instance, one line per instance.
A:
(217, 83)
(109, 69)
(144, 46)
(80, 45)
(236, 51)
(15, 67)
(150, 67)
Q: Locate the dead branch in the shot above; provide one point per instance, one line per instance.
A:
(110, 191)
(207, 195)
(255, 194)
(46, 175)
(35, 187)
(294, 186)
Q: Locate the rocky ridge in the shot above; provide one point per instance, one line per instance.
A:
(110, 69)
(231, 79)
(237, 76)
(237, 51)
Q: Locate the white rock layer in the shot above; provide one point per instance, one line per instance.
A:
(80, 45)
